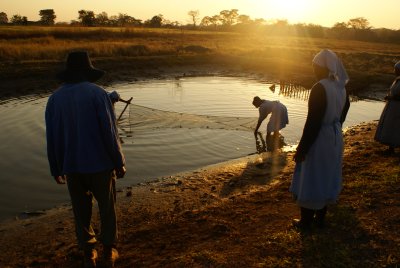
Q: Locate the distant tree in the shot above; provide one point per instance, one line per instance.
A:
(315, 30)
(19, 20)
(62, 23)
(102, 19)
(229, 17)
(24, 20)
(260, 22)
(175, 23)
(244, 19)
(206, 21)
(124, 20)
(155, 21)
(47, 16)
(3, 18)
(281, 23)
(360, 23)
(194, 15)
(215, 20)
(74, 23)
(113, 20)
(388, 35)
(86, 17)
(340, 25)
(340, 30)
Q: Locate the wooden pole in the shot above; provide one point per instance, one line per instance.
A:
(126, 106)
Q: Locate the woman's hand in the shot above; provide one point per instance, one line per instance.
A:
(60, 179)
(299, 157)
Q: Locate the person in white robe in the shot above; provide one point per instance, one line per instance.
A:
(388, 130)
(278, 120)
(317, 179)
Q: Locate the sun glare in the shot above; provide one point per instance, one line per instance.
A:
(292, 10)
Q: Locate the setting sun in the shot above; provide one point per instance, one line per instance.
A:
(291, 10)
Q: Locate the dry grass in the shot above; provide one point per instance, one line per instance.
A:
(22, 49)
(44, 43)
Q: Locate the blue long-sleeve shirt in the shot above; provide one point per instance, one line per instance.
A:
(81, 131)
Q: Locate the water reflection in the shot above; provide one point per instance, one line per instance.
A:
(170, 127)
(261, 146)
(291, 90)
(270, 144)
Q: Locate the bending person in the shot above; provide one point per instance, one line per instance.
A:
(279, 115)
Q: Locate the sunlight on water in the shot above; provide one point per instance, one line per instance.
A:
(210, 108)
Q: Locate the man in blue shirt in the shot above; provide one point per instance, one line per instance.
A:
(84, 150)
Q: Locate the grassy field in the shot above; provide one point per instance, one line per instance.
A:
(33, 52)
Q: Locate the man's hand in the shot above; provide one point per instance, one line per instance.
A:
(120, 172)
(60, 179)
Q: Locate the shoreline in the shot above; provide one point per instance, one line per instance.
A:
(231, 214)
(375, 93)
(24, 78)
(234, 214)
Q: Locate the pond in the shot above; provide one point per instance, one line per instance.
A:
(172, 126)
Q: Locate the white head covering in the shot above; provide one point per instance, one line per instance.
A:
(328, 59)
(397, 65)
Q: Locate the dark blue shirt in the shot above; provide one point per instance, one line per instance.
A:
(81, 131)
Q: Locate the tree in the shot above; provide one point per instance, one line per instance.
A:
(47, 16)
(19, 20)
(102, 18)
(281, 23)
(214, 20)
(244, 19)
(86, 17)
(206, 21)
(315, 30)
(229, 17)
(194, 15)
(340, 30)
(155, 21)
(259, 21)
(359, 23)
(124, 20)
(3, 18)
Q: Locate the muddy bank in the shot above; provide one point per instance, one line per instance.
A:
(235, 214)
(22, 78)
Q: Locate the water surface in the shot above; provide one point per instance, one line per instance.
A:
(153, 146)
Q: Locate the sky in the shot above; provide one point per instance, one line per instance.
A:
(380, 14)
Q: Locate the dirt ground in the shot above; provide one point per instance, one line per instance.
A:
(235, 214)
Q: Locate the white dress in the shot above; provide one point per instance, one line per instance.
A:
(388, 130)
(317, 181)
(279, 115)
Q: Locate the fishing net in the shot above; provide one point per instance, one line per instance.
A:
(139, 117)
(144, 118)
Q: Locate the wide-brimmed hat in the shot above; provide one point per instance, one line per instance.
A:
(79, 68)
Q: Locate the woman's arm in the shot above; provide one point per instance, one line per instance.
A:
(345, 109)
(316, 110)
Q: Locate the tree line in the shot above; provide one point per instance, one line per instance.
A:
(227, 20)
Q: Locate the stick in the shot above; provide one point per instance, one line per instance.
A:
(126, 106)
